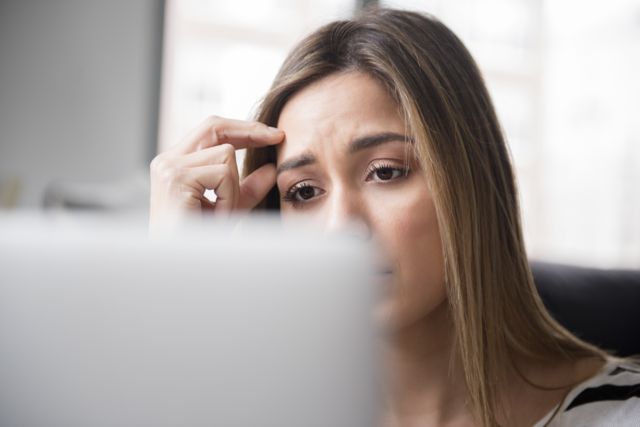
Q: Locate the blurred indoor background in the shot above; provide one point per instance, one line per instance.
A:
(90, 91)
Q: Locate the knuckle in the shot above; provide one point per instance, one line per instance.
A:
(172, 175)
(228, 151)
(216, 129)
(219, 134)
(153, 165)
(158, 163)
(214, 120)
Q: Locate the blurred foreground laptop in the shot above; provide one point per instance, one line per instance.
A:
(99, 327)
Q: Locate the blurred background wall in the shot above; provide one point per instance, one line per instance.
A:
(79, 86)
(562, 73)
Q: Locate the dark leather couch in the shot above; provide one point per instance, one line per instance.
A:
(600, 306)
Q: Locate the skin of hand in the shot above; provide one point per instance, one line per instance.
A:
(206, 160)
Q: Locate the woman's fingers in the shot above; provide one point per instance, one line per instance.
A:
(206, 160)
(178, 191)
(222, 179)
(224, 153)
(220, 154)
(241, 134)
(256, 186)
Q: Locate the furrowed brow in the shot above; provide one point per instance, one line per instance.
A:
(369, 141)
(296, 162)
(358, 144)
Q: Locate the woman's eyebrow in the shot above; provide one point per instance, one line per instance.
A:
(369, 141)
(358, 144)
(296, 162)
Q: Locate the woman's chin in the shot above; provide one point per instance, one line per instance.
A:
(386, 314)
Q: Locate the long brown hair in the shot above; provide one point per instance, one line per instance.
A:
(496, 311)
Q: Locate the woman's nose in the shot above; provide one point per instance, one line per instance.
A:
(347, 214)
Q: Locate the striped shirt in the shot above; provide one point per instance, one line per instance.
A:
(611, 398)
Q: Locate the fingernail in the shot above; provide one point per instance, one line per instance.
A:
(272, 129)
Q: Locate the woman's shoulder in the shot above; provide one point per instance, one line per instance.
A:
(609, 398)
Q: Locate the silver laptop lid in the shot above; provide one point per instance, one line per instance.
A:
(101, 327)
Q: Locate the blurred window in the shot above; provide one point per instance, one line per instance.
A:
(562, 74)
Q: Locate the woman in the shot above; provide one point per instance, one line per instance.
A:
(385, 119)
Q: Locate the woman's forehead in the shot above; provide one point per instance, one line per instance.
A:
(337, 110)
(341, 95)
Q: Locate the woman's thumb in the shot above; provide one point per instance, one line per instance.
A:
(255, 187)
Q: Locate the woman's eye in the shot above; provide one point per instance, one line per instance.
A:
(301, 193)
(386, 173)
(306, 193)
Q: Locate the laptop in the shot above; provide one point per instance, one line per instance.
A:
(217, 326)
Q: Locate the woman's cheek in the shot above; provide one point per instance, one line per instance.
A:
(414, 234)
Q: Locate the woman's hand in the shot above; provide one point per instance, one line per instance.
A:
(206, 160)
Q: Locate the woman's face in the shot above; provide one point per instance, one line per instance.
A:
(346, 158)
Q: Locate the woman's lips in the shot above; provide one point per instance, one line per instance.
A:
(384, 275)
